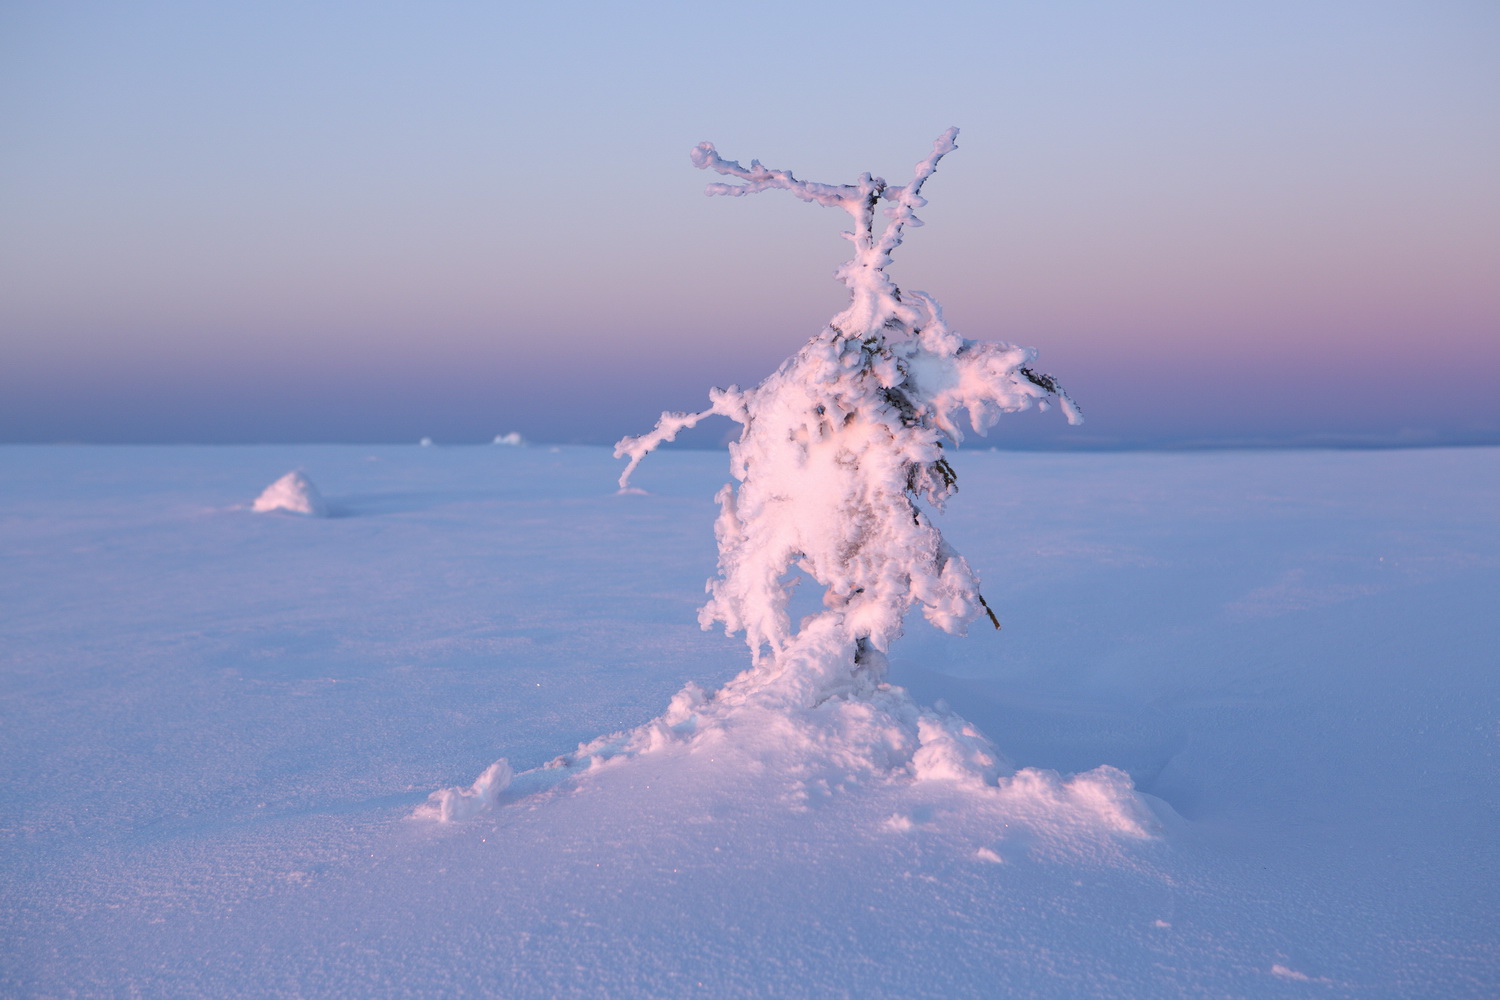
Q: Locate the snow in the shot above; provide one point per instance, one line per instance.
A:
(1244, 714)
(837, 446)
(449, 804)
(293, 493)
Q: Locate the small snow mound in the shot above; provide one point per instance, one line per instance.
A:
(952, 749)
(819, 737)
(513, 439)
(449, 804)
(293, 493)
(425, 442)
(897, 823)
(1102, 798)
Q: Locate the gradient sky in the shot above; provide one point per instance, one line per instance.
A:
(1219, 222)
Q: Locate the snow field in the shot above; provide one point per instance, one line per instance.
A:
(217, 726)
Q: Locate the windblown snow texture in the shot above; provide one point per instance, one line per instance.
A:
(216, 723)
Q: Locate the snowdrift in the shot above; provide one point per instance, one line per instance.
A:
(293, 493)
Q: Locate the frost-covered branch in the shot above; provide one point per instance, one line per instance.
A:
(672, 423)
(759, 178)
(726, 402)
(909, 197)
(870, 287)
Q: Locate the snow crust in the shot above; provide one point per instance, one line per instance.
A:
(293, 493)
(215, 728)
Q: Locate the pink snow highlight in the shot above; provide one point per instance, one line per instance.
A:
(293, 493)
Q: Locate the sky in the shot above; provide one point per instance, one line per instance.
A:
(1262, 223)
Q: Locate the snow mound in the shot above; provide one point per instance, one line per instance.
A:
(802, 743)
(293, 493)
(513, 439)
(448, 804)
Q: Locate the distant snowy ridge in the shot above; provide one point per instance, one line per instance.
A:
(293, 493)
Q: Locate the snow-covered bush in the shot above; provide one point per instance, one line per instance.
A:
(838, 445)
(835, 452)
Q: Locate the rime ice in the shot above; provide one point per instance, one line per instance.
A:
(840, 442)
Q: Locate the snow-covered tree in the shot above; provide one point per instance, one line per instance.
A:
(838, 445)
(835, 452)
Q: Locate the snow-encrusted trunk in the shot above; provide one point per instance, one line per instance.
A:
(835, 449)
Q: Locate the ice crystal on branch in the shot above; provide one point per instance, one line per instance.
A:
(838, 444)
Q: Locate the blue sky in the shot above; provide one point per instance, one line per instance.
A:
(1227, 222)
